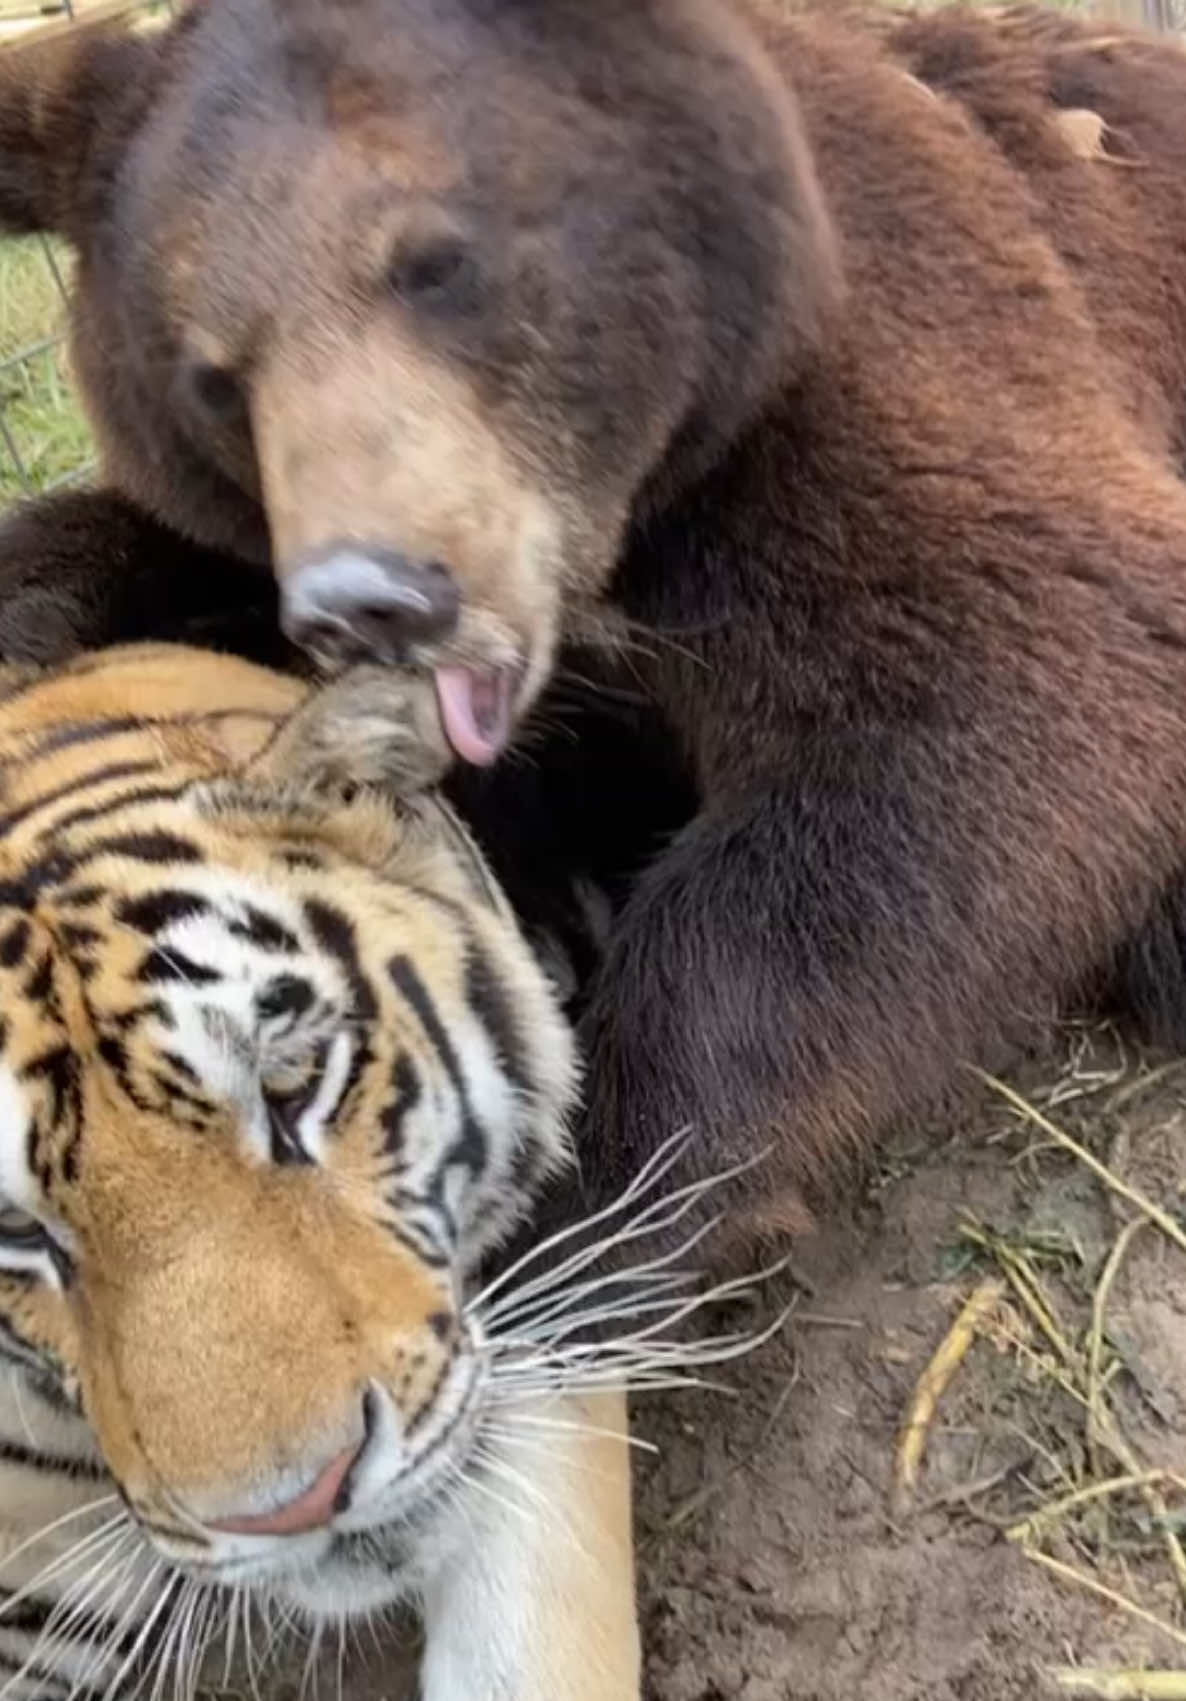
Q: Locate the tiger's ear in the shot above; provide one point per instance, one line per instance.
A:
(375, 726)
(68, 109)
(380, 727)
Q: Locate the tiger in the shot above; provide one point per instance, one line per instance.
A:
(279, 1074)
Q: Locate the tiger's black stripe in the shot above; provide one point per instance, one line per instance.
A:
(407, 1095)
(416, 1237)
(112, 806)
(154, 847)
(285, 995)
(164, 963)
(14, 944)
(39, 988)
(33, 1458)
(81, 897)
(85, 732)
(161, 909)
(15, 1346)
(17, 1667)
(81, 782)
(265, 932)
(334, 932)
(79, 936)
(487, 998)
(470, 1146)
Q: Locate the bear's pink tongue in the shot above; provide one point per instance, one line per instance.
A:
(475, 710)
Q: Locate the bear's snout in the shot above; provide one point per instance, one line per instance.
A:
(363, 603)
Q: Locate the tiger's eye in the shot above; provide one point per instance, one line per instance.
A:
(21, 1232)
(18, 1227)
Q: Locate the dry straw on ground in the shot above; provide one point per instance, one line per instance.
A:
(1113, 1503)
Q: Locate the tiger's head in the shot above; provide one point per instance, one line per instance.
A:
(277, 1071)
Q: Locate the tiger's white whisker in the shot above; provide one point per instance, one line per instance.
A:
(644, 1369)
(78, 1616)
(78, 1599)
(163, 1663)
(511, 1303)
(567, 1324)
(153, 1573)
(656, 1218)
(656, 1166)
(504, 1471)
(180, 1662)
(249, 1645)
(514, 1423)
(197, 1636)
(671, 1315)
(483, 1488)
(37, 1648)
(536, 1449)
(731, 1288)
(650, 1221)
(557, 1523)
(646, 1279)
(109, 1532)
(48, 1529)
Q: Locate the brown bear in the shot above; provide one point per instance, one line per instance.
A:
(811, 365)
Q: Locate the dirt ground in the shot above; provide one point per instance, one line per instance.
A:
(772, 1566)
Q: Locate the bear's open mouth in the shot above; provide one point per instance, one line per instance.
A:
(475, 706)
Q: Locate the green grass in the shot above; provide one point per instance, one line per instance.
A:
(37, 400)
(39, 406)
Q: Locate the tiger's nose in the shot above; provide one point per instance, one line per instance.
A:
(326, 1495)
(357, 603)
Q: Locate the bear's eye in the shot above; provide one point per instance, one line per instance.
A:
(437, 273)
(215, 390)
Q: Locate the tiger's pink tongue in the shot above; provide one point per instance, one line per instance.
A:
(475, 710)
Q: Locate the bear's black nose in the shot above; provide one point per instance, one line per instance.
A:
(356, 603)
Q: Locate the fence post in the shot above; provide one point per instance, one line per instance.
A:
(1153, 14)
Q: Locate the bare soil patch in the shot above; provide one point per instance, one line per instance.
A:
(774, 1568)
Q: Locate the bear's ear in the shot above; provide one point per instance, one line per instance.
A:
(68, 108)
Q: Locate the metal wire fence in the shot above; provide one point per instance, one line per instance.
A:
(1166, 14)
(42, 433)
(44, 440)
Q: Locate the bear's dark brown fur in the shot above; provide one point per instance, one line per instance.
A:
(814, 355)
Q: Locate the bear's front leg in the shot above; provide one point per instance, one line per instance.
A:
(536, 1602)
(814, 957)
(82, 569)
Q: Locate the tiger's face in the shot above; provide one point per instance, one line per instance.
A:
(276, 1071)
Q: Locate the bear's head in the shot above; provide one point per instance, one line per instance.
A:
(424, 300)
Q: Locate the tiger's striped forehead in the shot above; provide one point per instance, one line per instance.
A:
(298, 1007)
(202, 983)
